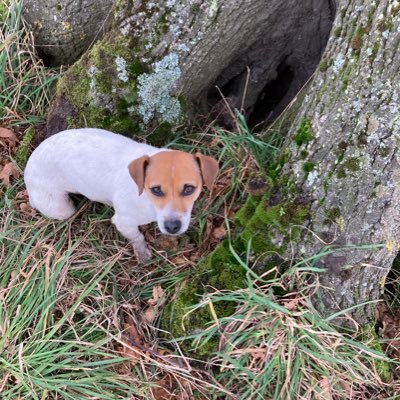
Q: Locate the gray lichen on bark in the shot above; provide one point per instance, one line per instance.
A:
(199, 45)
(353, 108)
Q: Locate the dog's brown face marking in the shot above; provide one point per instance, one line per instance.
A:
(173, 181)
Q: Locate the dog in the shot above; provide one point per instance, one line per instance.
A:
(141, 182)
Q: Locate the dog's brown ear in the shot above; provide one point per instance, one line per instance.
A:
(209, 169)
(137, 170)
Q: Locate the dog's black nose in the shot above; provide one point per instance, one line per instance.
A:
(172, 226)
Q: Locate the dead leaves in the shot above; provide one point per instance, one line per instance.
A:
(154, 305)
(214, 233)
(8, 171)
(22, 205)
(8, 143)
(389, 321)
(8, 139)
(136, 345)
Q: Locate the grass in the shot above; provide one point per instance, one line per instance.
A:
(67, 291)
(24, 82)
(74, 304)
(279, 347)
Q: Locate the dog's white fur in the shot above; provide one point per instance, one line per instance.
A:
(94, 163)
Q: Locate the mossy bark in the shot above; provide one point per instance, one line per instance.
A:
(348, 131)
(337, 181)
(160, 62)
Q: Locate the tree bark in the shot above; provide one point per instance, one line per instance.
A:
(344, 158)
(162, 61)
(65, 29)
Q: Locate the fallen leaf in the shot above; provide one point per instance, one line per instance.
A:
(8, 138)
(161, 392)
(167, 243)
(7, 171)
(219, 232)
(158, 300)
(157, 295)
(134, 343)
(26, 209)
(326, 389)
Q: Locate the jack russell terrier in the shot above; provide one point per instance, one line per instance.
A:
(142, 183)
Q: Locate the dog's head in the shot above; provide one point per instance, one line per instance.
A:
(173, 181)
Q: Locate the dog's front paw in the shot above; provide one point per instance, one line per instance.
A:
(142, 252)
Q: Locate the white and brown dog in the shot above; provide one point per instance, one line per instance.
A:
(142, 183)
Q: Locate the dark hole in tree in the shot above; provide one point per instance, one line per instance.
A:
(270, 102)
(392, 283)
(264, 77)
(230, 90)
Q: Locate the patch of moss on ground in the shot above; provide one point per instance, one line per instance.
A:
(246, 211)
(382, 367)
(269, 221)
(220, 270)
(275, 169)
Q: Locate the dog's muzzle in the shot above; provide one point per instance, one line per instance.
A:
(172, 226)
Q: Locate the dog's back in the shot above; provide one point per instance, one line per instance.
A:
(86, 161)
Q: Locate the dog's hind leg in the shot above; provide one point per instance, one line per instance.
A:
(52, 205)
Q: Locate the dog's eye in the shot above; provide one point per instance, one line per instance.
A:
(188, 190)
(156, 190)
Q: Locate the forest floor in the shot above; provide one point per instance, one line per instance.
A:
(79, 318)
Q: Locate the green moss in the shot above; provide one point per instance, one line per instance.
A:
(304, 133)
(371, 15)
(101, 98)
(268, 220)
(275, 169)
(303, 154)
(338, 31)
(360, 31)
(163, 25)
(247, 210)
(384, 151)
(345, 83)
(22, 153)
(341, 173)
(323, 65)
(374, 51)
(220, 270)
(352, 164)
(371, 339)
(385, 25)
(164, 133)
(332, 213)
(308, 167)
(340, 152)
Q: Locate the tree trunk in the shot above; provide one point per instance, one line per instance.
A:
(343, 158)
(162, 61)
(65, 29)
(335, 184)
